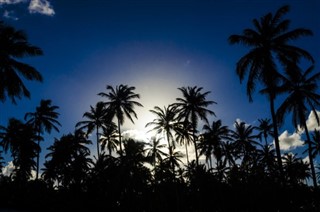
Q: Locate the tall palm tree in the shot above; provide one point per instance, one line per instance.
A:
(95, 120)
(269, 43)
(265, 129)
(302, 88)
(121, 101)
(14, 46)
(192, 107)
(212, 139)
(164, 123)
(44, 119)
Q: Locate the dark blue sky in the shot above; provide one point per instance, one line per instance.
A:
(156, 46)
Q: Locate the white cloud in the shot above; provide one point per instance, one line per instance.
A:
(139, 135)
(306, 160)
(8, 169)
(11, 1)
(312, 121)
(41, 6)
(9, 15)
(289, 142)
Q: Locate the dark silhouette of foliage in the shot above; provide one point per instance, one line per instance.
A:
(44, 119)
(269, 43)
(120, 104)
(15, 46)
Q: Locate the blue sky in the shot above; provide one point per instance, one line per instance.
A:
(156, 46)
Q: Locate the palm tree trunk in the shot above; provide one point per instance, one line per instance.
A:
(120, 143)
(97, 134)
(195, 148)
(187, 152)
(313, 172)
(38, 153)
(276, 137)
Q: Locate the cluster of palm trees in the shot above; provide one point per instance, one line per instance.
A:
(128, 174)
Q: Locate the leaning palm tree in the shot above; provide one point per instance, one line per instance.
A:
(303, 97)
(95, 120)
(121, 103)
(269, 43)
(14, 46)
(192, 107)
(44, 119)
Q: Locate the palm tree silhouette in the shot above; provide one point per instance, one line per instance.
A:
(95, 120)
(109, 137)
(153, 151)
(164, 123)
(315, 144)
(121, 103)
(302, 89)
(265, 129)
(65, 158)
(244, 141)
(44, 119)
(269, 40)
(14, 45)
(212, 139)
(191, 107)
(184, 135)
(19, 138)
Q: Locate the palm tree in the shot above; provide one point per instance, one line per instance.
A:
(164, 123)
(265, 129)
(244, 141)
(65, 158)
(14, 45)
(315, 144)
(296, 170)
(19, 138)
(154, 152)
(303, 96)
(121, 103)
(183, 134)
(191, 107)
(269, 44)
(109, 137)
(212, 139)
(44, 119)
(95, 120)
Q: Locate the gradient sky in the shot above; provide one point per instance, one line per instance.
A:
(154, 45)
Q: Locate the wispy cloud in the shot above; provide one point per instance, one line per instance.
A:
(41, 6)
(35, 6)
(12, 1)
(10, 15)
(289, 142)
(8, 169)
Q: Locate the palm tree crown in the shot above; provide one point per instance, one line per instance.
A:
(14, 45)
(121, 103)
(192, 107)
